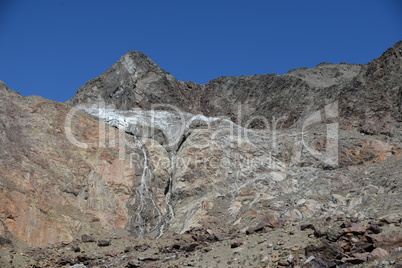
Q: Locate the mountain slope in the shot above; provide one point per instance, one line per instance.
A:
(208, 166)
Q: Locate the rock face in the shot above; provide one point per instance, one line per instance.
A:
(52, 189)
(263, 163)
(369, 91)
(137, 82)
(139, 152)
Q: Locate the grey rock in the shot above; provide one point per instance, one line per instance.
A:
(333, 235)
(309, 259)
(5, 241)
(103, 242)
(87, 238)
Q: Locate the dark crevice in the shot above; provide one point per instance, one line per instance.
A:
(5, 240)
(183, 139)
(168, 187)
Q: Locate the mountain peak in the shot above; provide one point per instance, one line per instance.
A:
(137, 63)
(135, 81)
(136, 53)
(4, 90)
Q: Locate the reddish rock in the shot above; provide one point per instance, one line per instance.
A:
(388, 242)
(283, 263)
(355, 229)
(262, 225)
(387, 220)
(236, 243)
(344, 245)
(45, 178)
(377, 254)
(270, 222)
(274, 222)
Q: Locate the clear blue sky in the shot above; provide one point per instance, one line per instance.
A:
(52, 47)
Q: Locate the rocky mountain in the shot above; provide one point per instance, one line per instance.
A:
(177, 168)
(137, 82)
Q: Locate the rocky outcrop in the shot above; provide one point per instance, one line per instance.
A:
(50, 188)
(371, 102)
(327, 74)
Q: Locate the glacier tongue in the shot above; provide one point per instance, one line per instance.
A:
(165, 127)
